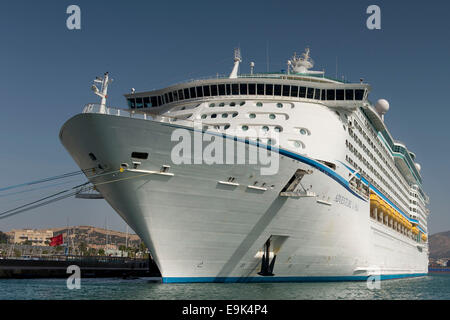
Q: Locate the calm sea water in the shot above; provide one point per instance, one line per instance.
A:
(429, 287)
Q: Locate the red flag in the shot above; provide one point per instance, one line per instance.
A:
(56, 241)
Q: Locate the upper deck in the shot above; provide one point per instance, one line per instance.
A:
(251, 86)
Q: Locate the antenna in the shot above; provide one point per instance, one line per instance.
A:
(336, 67)
(252, 66)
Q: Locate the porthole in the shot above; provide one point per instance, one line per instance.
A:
(224, 115)
(303, 132)
(245, 128)
(297, 144)
(278, 129)
(222, 104)
(212, 105)
(227, 126)
(183, 108)
(232, 104)
(234, 115)
(279, 105)
(213, 116)
(242, 103)
(217, 127)
(252, 115)
(259, 104)
(272, 116)
(265, 128)
(203, 116)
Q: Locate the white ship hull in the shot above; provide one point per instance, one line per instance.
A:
(199, 230)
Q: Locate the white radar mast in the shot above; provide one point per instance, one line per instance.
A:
(302, 64)
(103, 93)
(237, 60)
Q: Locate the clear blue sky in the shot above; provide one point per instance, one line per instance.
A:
(46, 71)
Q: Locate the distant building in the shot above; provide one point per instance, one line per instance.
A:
(36, 237)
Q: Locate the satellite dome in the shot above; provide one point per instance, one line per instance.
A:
(418, 166)
(382, 106)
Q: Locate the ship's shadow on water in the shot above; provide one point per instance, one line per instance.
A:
(432, 287)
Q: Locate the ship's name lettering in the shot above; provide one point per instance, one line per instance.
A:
(346, 202)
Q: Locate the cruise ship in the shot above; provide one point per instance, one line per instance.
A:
(259, 177)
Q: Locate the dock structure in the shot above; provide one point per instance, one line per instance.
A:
(91, 267)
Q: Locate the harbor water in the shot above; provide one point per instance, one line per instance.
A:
(431, 287)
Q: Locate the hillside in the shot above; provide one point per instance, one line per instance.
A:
(97, 236)
(440, 245)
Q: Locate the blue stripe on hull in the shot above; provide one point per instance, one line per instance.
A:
(283, 279)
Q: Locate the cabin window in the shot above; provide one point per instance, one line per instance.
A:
(199, 92)
(175, 96)
(259, 104)
(279, 105)
(302, 93)
(330, 94)
(186, 94)
(243, 88)
(170, 97)
(213, 116)
(131, 103)
(206, 91)
(251, 88)
(294, 91)
(214, 90)
(154, 101)
(193, 94)
(139, 103)
(265, 128)
(339, 94)
(224, 115)
(359, 94)
(277, 90)
(242, 103)
(180, 94)
(234, 115)
(221, 89)
(310, 93)
(160, 101)
(272, 116)
(349, 94)
(228, 86)
(286, 91)
(323, 97)
(252, 116)
(269, 89)
(260, 89)
(317, 94)
(278, 129)
(244, 128)
(235, 88)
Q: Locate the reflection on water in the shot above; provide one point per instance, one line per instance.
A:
(430, 287)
